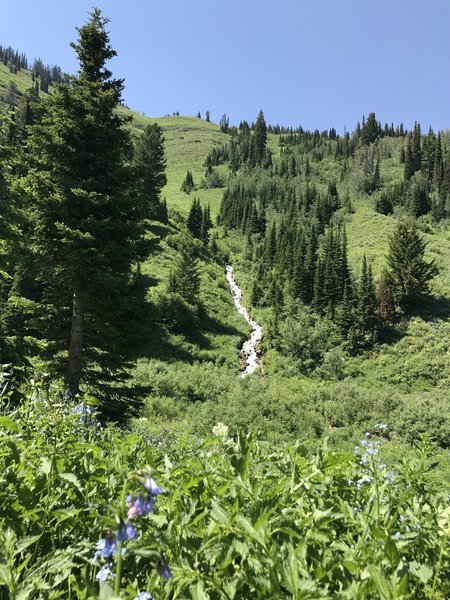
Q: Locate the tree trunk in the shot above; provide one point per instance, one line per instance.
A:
(73, 373)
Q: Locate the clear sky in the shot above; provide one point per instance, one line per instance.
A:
(315, 63)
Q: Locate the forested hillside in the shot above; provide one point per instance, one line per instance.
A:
(124, 423)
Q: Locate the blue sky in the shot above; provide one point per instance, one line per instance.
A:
(315, 63)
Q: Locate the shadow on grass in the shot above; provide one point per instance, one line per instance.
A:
(432, 308)
(429, 309)
(170, 330)
(160, 229)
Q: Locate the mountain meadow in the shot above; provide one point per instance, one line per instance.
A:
(136, 460)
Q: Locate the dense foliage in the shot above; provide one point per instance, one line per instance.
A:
(236, 519)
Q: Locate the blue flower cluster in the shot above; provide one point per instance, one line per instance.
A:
(87, 414)
(368, 451)
(142, 505)
(107, 548)
(143, 596)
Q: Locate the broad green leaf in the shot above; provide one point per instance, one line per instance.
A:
(23, 543)
(8, 423)
(218, 513)
(72, 479)
(420, 570)
(198, 591)
(390, 549)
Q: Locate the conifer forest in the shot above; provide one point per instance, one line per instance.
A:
(224, 349)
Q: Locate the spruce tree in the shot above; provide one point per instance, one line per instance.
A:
(416, 147)
(188, 183)
(206, 224)
(409, 273)
(88, 229)
(194, 220)
(366, 309)
(438, 164)
(370, 129)
(258, 141)
(184, 278)
(386, 308)
(150, 169)
(408, 169)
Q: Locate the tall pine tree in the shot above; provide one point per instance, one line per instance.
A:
(150, 167)
(408, 272)
(88, 228)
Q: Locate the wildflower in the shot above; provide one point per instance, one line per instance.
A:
(126, 531)
(163, 569)
(106, 547)
(143, 596)
(390, 477)
(105, 573)
(140, 505)
(84, 410)
(152, 487)
(380, 426)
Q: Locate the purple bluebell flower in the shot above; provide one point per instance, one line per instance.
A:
(163, 569)
(140, 505)
(143, 596)
(105, 573)
(152, 487)
(127, 531)
(106, 547)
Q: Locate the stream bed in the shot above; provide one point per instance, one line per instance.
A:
(248, 354)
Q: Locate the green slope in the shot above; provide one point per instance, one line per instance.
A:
(190, 375)
(188, 140)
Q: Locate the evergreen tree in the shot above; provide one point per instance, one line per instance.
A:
(383, 205)
(194, 220)
(409, 273)
(370, 130)
(428, 153)
(416, 147)
(224, 123)
(163, 213)
(184, 279)
(366, 309)
(26, 114)
(418, 201)
(409, 161)
(150, 169)
(438, 164)
(188, 183)
(88, 231)
(258, 141)
(270, 249)
(345, 313)
(206, 224)
(386, 306)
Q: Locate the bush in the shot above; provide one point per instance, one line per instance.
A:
(233, 518)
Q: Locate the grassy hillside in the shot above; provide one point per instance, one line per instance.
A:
(188, 372)
(188, 142)
(22, 79)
